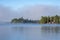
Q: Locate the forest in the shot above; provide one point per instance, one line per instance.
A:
(22, 20)
(44, 20)
(50, 19)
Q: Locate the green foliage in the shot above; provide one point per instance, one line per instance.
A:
(56, 18)
(48, 19)
(43, 20)
(52, 19)
(22, 20)
(15, 20)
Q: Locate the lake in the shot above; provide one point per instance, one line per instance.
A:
(29, 31)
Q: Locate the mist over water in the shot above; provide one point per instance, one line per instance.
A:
(39, 32)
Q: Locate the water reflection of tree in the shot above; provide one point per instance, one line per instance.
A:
(53, 29)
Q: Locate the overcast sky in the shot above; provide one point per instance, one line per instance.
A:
(31, 9)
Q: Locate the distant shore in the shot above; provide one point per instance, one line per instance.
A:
(44, 20)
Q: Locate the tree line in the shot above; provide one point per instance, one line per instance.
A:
(50, 19)
(22, 20)
(44, 20)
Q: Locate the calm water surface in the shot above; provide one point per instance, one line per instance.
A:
(29, 32)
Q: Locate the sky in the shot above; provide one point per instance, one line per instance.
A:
(31, 9)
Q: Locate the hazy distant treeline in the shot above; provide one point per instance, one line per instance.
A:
(44, 19)
(22, 20)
